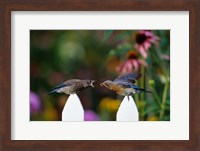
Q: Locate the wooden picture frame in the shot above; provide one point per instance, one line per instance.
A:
(7, 6)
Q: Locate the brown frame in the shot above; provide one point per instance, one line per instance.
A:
(6, 6)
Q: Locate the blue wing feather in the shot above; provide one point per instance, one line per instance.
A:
(60, 86)
(129, 85)
(128, 78)
(139, 89)
(57, 88)
(135, 87)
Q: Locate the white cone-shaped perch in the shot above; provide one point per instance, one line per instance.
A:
(73, 109)
(128, 110)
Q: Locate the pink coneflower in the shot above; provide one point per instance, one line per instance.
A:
(144, 39)
(132, 64)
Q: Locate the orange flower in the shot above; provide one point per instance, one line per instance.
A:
(109, 104)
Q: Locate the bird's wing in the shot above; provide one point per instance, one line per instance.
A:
(72, 81)
(60, 86)
(125, 85)
(139, 89)
(134, 87)
(128, 78)
(130, 85)
(55, 89)
(67, 83)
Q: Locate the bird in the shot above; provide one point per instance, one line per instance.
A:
(124, 85)
(72, 86)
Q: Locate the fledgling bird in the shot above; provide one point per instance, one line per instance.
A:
(72, 86)
(124, 85)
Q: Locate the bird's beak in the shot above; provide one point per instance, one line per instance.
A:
(92, 83)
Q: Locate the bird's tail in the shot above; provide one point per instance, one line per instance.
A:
(143, 90)
(139, 89)
(57, 88)
(53, 91)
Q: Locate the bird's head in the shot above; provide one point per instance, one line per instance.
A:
(106, 83)
(91, 82)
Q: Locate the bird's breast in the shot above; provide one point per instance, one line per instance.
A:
(117, 88)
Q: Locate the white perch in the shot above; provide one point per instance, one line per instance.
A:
(73, 109)
(128, 110)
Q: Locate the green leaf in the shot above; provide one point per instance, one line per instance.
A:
(120, 50)
(151, 109)
(107, 34)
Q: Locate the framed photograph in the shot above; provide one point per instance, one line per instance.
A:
(100, 55)
(103, 55)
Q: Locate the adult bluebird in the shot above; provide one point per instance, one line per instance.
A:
(124, 85)
(72, 86)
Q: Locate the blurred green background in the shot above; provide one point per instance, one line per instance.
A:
(60, 55)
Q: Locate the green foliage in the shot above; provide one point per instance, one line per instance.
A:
(107, 35)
